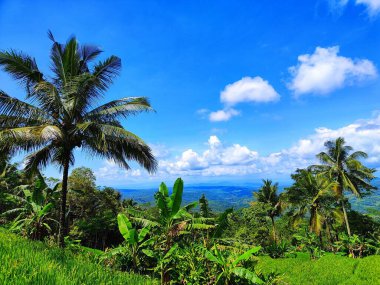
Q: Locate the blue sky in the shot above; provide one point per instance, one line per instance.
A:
(243, 89)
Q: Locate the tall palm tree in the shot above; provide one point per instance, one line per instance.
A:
(268, 195)
(60, 115)
(311, 194)
(341, 164)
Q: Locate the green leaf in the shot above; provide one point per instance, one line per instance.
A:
(246, 255)
(125, 228)
(148, 252)
(212, 257)
(190, 206)
(247, 275)
(176, 197)
(143, 233)
(170, 251)
(45, 210)
(148, 242)
(163, 189)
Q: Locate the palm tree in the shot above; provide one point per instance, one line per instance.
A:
(267, 195)
(343, 166)
(311, 194)
(60, 116)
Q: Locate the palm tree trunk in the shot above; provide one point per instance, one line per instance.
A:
(62, 218)
(273, 229)
(346, 218)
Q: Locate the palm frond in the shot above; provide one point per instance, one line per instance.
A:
(39, 158)
(21, 67)
(122, 107)
(120, 145)
(13, 107)
(105, 71)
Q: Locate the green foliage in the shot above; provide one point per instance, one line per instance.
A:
(229, 266)
(310, 243)
(343, 166)
(204, 208)
(355, 246)
(191, 265)
(250, 225)
(34, 211)
(268, 196)
(93, 212)
(136, 241)
(312, 195)
(279, 250)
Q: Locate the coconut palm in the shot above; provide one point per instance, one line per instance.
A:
(268, 195)
(341, 164)
(311, 195)
(59, 114)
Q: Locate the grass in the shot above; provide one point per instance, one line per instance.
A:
(29, 262)
(329, 269)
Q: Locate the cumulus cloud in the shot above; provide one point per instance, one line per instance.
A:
(220, 159)
(223, 115)
(216, 160)
(325, 71)
(248, 89)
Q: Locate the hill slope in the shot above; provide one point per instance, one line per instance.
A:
(328, 270)
(29, 262)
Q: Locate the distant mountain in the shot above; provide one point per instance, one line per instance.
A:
(220, 197)
(223, 197)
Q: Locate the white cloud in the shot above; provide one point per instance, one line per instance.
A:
(223, 115)
(159, 151)
(248, 89)
(220, 159)
(325, 71)
(217, 159)
(110, 171)
(373, 6)
(236, 159)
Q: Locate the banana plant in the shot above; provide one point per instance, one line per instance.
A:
(231, 266)
(136, 240)
(36, 206)
(173, 219)
(164, 262)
